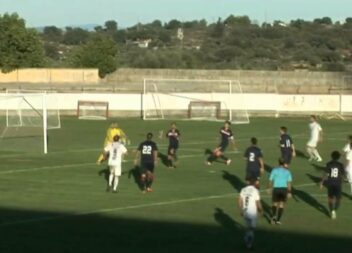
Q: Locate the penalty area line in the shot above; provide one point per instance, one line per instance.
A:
(45, 168)
(68, 166)
(116, 209)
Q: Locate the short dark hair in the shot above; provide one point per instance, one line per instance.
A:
(228, 122)
(116, 138)
(284, 129)
(254, 141)
(335, 155)
(313, 117)
(149, 136)
(281, 161)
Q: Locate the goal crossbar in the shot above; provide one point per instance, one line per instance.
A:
(164, 98)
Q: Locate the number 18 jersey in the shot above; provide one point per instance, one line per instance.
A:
(335, 171)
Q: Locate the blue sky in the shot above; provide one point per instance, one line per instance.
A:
(128, 12)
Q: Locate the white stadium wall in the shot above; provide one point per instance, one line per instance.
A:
(253, 102)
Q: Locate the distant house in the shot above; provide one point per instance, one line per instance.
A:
(140, 43)
(144, 43)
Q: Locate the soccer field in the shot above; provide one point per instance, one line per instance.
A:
(57, 202)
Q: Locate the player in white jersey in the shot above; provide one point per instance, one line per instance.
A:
(315, 137)
(249, 204)
(114, 152)
(348, 152)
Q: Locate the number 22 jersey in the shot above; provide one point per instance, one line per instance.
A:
(147, 149)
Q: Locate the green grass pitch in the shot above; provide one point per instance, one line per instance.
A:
(57, 202)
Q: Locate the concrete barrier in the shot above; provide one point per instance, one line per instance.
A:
(135, 103)
(48, 76)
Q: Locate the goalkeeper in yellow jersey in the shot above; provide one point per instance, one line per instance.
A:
(112, 131)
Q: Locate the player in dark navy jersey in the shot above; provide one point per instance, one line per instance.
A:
(147, 158)
(174, 138)
(287, 147)
(226, 137)
(333, 179)
(255, 164)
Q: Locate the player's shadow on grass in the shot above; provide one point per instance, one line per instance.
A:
(301, 154)
(74, 232)
(318, 167)
(268, 168)
(235, 181)
(310, 200)
(208, 151)
(267, 211)
(226, 221)
(164, 159)
(347, 195)
(134, 172)
(105, 172)
(315, 179)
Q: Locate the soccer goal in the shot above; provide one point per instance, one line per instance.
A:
(26, 118)
(93, 110)
(193, 99)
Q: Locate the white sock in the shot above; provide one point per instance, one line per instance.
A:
(111, 178)
(116, 182)
(316, 154)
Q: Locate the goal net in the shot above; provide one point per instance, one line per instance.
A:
(26, 117)
(193, 99)
(92, 110)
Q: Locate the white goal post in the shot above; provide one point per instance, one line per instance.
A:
(92, 110)
(194, 99)
(26, 110)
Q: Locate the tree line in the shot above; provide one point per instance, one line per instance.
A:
(232, 43)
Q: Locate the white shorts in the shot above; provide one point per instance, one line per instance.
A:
(116, 170)
(312, 143)
(251, 221)
(348, 170)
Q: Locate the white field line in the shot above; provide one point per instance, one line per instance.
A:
(116, 209)
(68, 166)
(46, 168)
(214, 142)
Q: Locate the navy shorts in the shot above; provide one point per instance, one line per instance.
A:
(223, 146)
(252, 175)
(334, 191)
(287, 157)
(146, 166)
